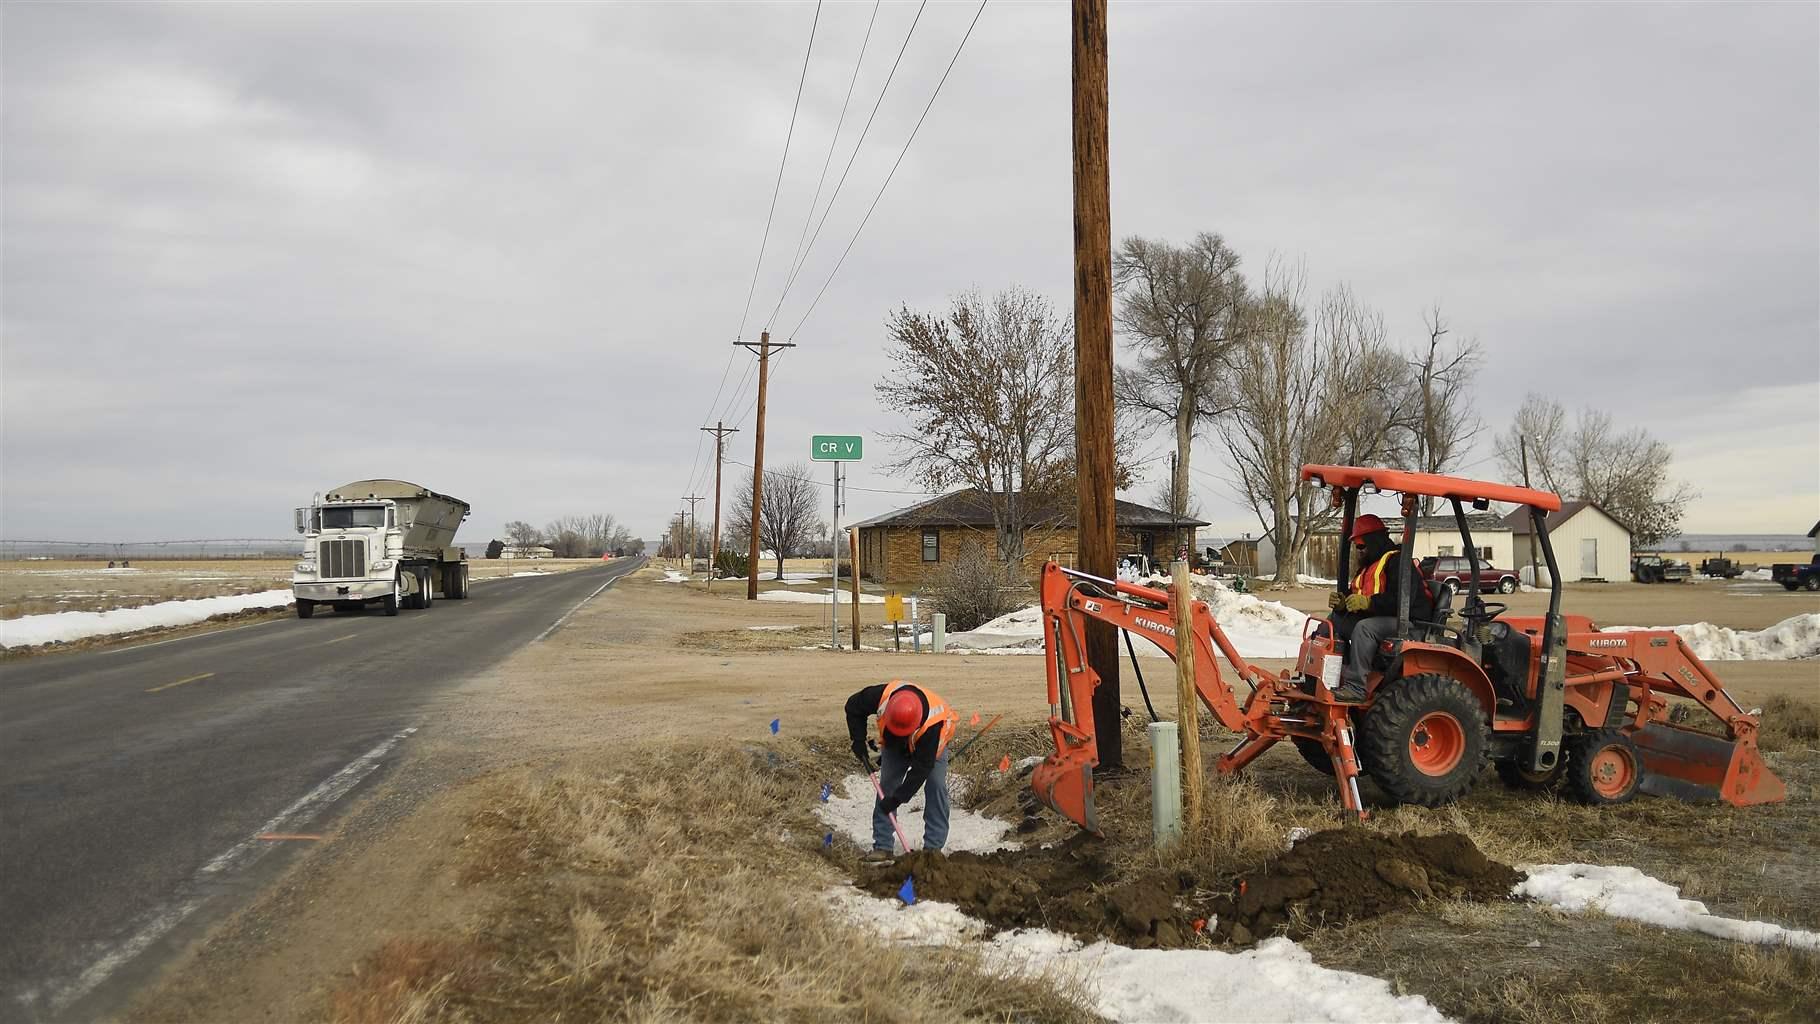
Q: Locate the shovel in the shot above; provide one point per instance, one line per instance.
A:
(880, 790)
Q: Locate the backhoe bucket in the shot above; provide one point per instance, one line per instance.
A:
(1691, 765)
(1065, 783)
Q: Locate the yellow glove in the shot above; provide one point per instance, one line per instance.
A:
(1357, 602)
(1336, 600)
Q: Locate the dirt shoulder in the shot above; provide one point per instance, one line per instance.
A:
(635, 744)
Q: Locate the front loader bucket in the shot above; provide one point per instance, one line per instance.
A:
(1065, 783)
(1691, 765)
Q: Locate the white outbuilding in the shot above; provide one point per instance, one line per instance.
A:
(1589, 544)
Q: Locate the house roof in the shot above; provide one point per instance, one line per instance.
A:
(1518, 519)
(971, 506)
(1815, 530)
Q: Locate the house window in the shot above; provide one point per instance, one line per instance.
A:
(1485, 556)
(1445, 549)
(932, 545)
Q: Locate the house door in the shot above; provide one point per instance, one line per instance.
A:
(1589, 556)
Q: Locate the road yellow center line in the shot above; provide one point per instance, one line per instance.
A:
(180, 682)
(339, 639)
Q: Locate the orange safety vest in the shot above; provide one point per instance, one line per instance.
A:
(1370, 580)
(940, 715)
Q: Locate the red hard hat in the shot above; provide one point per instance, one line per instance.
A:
(1365, 524)
(903, 713)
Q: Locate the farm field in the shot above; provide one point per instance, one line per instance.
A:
(634, 838)
(40, 587)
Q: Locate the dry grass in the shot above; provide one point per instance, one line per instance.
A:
(666, 890)
(1789, 724)
(36, 588)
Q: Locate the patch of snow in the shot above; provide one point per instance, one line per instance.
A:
(1797, 636)
(535, 572)
(1755, 574)
(1623, 891)
(1313, 581)
(819, 597)
(768, 628)
(1276, 981)
(672, 576)
(62, 627)
(1028, 762)
(848, 812)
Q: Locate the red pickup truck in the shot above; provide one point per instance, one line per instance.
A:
(1455, 570)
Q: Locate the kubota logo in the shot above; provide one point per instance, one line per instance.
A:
(1159, 627)
(1608, 643)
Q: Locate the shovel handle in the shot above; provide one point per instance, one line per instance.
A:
(880, 790)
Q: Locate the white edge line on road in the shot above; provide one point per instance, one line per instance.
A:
(578, 604)
(241, 854)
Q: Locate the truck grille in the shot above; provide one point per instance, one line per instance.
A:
(342, 559)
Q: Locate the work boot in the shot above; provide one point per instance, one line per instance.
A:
(1351, 691)
(877, 857)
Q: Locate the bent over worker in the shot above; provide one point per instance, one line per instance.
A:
(1367, 617)
(914, 727)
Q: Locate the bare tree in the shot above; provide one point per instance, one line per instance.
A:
(1319, 389)
(989, 393)
(788, 519)
(1182, 309)
(1624, 472)
(523, 535)
(1445, 424)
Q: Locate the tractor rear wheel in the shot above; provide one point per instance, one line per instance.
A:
(1424, 742)
(1603, 767)
(1315, 754)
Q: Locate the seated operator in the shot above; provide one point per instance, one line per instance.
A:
(1367, 617)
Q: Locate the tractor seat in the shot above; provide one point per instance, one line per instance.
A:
(1436, 632)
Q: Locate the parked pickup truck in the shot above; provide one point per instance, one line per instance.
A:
(1656, 569)
(1723, 568)
(1455, 570)
(1793, 575)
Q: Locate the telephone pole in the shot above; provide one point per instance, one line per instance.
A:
(1094, 457)
(1535, 573)
(692, 499)
(763, 349)
(720, 431)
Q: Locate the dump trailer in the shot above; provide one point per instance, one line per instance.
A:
(1546, 699)
(382, 542)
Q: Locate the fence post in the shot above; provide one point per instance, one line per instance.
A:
(1165, 784)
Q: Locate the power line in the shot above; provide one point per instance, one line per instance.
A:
(844, 486)
(851, 157)
(893, 173)
(788, 135)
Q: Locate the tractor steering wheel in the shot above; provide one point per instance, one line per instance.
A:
(1487, 610)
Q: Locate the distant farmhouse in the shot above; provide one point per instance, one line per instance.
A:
(907, 546)
(535, 551)
(1589, 544)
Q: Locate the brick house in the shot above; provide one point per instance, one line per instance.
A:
(905, 546)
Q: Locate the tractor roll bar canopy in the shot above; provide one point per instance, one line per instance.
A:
(1430, 484)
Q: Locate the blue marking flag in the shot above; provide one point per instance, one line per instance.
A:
(827, 791)
(907, 892)
(827, 841)
(775, 726)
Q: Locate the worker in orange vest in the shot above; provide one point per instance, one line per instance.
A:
(914, 727)
(1367, 616)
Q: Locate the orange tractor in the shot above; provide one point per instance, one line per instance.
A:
(1545, 699)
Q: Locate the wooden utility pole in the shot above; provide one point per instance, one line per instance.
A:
(763, 349)
(1188, 705)
(720, 431)
(690, 564)
(1535, 574)
(1098, 529)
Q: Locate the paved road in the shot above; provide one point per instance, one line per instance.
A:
(137, 781)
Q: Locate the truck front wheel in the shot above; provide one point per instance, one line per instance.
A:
(305, 608)
(396, 597)
(1813, 582)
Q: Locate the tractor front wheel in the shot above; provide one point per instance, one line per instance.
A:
(1425, 740)
(1603, 767)
(1518, 777)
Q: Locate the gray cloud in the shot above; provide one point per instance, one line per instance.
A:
(251, 251)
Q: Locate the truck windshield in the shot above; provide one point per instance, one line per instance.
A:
(345, 517)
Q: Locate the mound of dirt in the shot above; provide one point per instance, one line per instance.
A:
(1347, 874)
(1053, 889)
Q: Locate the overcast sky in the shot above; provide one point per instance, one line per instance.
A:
(254, 251)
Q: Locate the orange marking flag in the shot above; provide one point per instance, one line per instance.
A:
(1004, 763)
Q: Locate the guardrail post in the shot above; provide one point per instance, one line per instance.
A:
(938, 642)
(1165, 784)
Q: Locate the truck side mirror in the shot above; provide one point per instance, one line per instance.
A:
(301, 514)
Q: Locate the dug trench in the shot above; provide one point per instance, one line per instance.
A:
(1328, 878)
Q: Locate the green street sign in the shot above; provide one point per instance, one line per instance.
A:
(836, 447)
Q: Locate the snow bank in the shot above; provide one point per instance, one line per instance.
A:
(818, 597)
(1797, 636)
(1628, 893)
(1755, 574)
(848, 812)
(1258, 628)
(61, 627)
(1276, 981)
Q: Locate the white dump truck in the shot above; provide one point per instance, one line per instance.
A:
(379, 542)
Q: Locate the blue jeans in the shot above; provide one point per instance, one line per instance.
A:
(892, 767)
